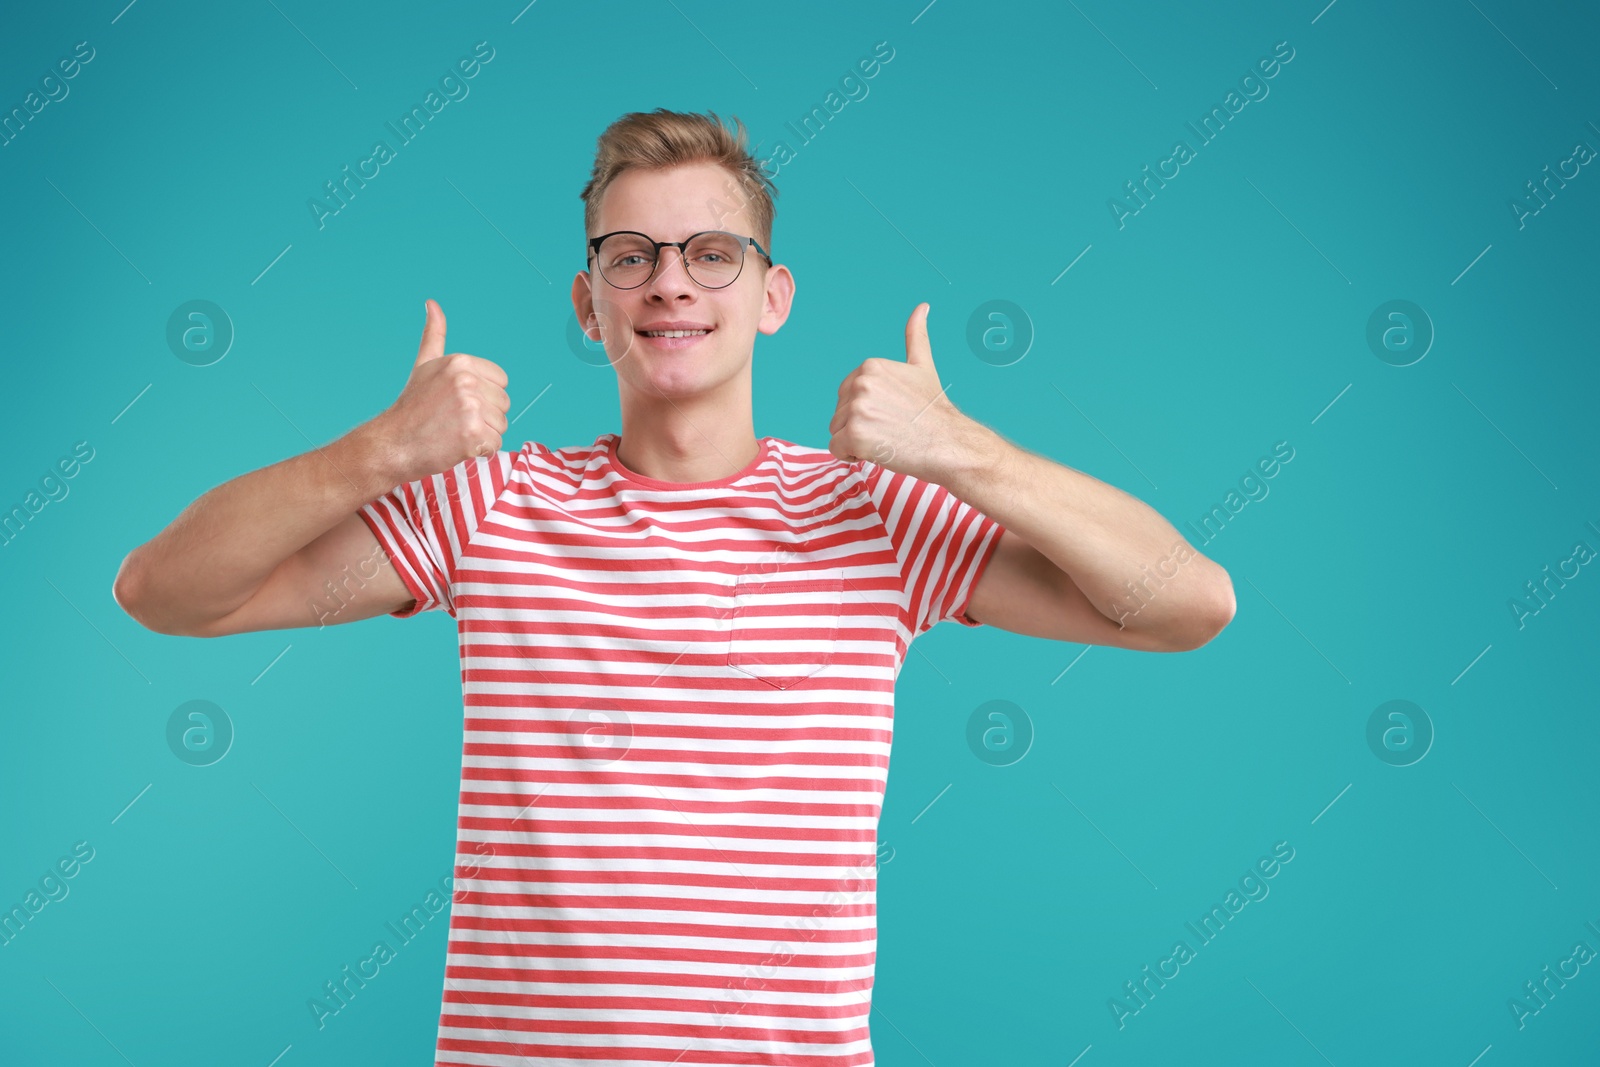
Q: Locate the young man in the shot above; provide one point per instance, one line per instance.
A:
(679, 645)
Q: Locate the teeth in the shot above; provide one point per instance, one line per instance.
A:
(676, 333)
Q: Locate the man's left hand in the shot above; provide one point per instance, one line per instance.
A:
(896, 414)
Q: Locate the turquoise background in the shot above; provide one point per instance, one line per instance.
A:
(1224, 317)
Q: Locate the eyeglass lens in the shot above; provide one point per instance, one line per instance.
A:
(714, 259)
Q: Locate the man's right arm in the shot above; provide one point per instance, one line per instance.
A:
(255, 553)
(263, 551)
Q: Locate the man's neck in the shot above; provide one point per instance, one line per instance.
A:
(678, 450)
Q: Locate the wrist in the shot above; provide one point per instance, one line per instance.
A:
(379, 454)
(974, 455)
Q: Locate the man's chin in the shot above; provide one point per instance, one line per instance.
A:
(670, 375)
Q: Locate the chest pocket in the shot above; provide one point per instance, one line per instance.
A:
(785, 623)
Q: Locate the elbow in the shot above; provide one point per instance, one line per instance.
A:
(1215, 627)
(125, 591)
(128, 590)
(1223, 611)
(1210, 620)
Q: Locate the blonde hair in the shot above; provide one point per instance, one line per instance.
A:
(662, 138)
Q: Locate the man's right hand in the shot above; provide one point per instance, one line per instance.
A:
(286, 546)
(451, 409)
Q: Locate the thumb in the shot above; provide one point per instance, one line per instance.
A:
(919, 353)
(432, 346)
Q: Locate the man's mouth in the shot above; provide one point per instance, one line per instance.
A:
(676, 335)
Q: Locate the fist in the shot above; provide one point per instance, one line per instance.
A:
(452, 408)
(895, 413)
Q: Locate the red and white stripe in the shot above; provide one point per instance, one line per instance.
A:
(679, 705)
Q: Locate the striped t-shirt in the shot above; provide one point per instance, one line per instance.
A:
(679, 702)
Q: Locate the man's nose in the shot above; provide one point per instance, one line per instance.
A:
(670, 275)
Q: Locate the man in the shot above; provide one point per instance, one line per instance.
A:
(679, 645)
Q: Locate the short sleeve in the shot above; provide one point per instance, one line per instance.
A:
(426, 525)
(943, 544)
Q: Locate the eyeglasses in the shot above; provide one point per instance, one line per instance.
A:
(714, 258)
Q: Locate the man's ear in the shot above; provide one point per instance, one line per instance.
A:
(583, 302)
(777, 299)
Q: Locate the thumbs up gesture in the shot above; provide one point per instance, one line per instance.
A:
(451, 409)
(896, 414)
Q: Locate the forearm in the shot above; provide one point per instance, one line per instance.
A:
(222, 547)
(1132, 564)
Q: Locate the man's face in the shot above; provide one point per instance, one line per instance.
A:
(671, 205)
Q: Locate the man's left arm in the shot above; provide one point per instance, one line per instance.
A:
(1079, 560)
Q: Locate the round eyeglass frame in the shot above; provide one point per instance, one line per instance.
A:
(683, 254)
